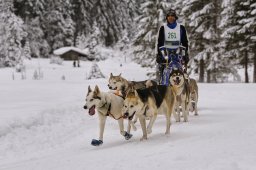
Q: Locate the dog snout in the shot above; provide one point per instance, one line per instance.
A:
(109, 87)
(177, 78)
(85, 107)
(126, 114)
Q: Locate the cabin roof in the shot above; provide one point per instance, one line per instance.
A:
(64, 50)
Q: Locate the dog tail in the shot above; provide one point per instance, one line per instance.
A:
(150, 83)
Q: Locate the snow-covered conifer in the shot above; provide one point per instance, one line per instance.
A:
(11, 34)
(148, 22)
(95, 72)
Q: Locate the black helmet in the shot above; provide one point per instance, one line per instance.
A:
(171, 12)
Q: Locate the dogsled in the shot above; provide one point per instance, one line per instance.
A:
(174, 61)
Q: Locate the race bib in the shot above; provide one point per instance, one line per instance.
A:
(172, 36)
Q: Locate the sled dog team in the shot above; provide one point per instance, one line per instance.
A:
(142, 100)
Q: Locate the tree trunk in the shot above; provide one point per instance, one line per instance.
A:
(254, 66)
(201, 71)
(214, 76)
(75, 38)
(246, 67)
(208, 76)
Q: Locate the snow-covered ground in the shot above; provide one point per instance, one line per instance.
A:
(43, 125)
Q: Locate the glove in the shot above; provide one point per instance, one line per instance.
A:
(164, 53)
(160, 59)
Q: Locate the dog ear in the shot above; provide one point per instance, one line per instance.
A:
(89, 90)
(130, 93)
(111, 75)
(133, 89)
(96, 90)
(120, 74)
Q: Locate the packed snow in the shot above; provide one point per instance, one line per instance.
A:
(43, 125)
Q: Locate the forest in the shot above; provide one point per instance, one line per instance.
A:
(222, 33)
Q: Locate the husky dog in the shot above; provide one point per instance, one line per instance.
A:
(193, 96)
(181, 87)
(107, 104)
(147, 103)
(121, 84)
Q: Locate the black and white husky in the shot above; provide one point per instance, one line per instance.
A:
(123, 86)
(106, 104)
(147, 103)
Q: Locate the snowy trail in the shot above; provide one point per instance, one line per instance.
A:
(222, 137)
(55, 133)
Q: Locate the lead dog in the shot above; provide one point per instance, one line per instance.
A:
(193, 96)
(106, 104)
(181, 87)
(147, 103)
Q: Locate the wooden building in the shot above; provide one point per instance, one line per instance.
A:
(72, 53)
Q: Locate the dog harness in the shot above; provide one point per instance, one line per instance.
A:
(108, 106)
(119, 94)
(168, 71)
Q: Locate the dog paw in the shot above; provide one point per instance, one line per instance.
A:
(167, 133)
(96, 142)
(177, 120)
(143, 138)
(149, 130)
(127, 136)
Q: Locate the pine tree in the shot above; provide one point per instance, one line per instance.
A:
(202, 24)
(81, 41)
(94, 39)
(243, 34)
(39, 47)
(191, 14)
(253, 36)
(58, 25)
(238, 27)
(95, 72)
(11, 34)
(216, 64)
(229, 47)
(247, 22)
(32, 12)
(149, 21)
(27, 51)
(81, 15)
(112, 17)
